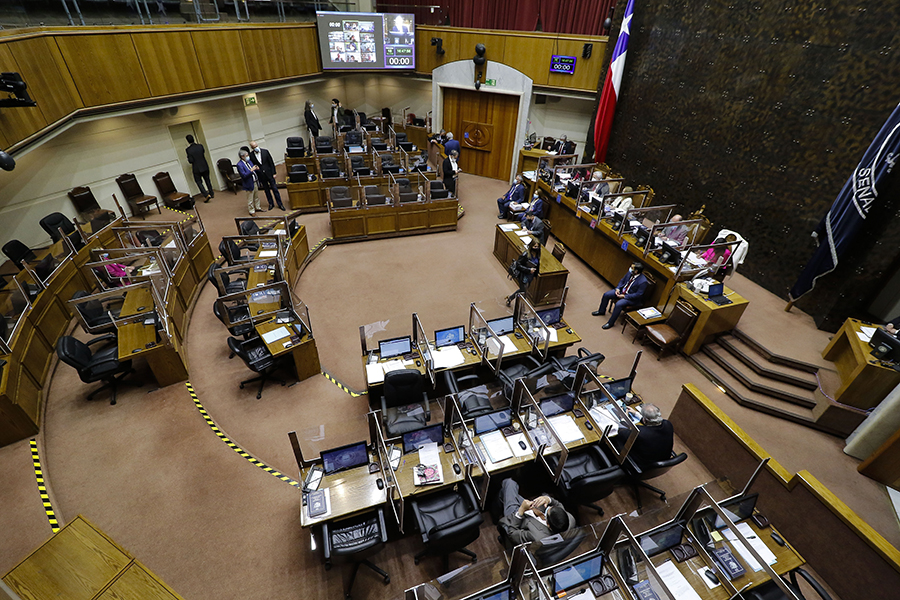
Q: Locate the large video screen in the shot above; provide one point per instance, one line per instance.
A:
(367, 40)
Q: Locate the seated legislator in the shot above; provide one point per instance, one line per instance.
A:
(893, 327)
(515, 194)
(621, 204)
(655, 436)
(535, 227)
(525, 269)
(629, 292)
(674, 233)
(531, 520)
(536, 208)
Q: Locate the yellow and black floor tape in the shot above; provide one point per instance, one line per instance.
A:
(341, 385)
(243, 453)
(42, 487)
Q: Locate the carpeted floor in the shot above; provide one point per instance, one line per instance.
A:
(152, 474)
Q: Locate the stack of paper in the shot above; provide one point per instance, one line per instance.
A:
(566, 428)
(758, 545)
(509, 227)
(448, 357)
(676, 582)
(605, 419)
(649, 312)
(268, 254)
(374, 373)
(521, 232)
(431, 458)
(508, 345)
(392, 365)
(496, 446)
(865, 333)
(275, 334)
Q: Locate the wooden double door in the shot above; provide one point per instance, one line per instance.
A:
(485, 125)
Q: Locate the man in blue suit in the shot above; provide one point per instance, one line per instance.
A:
(515, 194)
(628, 293)
(536, 207)
(451, 144)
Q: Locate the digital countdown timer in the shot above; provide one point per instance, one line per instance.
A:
(562, 64)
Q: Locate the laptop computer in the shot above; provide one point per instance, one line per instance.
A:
(716, 294)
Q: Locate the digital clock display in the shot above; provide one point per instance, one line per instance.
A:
(562, 64)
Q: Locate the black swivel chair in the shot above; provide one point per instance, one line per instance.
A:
(102, 365)
(298, 174)
(358, 164)
(238, 322)
(438, 191)
(54, 221)
(323, 145)
(639, 474)
(400, 137)
(770, 590)
(330, 167)
(353, 138)
(355, 539)
(449, 521)
(472, 402)
(587, 476)
(295, 147)
(405, 190)
(404, 403)
(223, 283)
(97, 320)
(530, 367)
(388, 165)
(232, 253)
(257, 358)
(340, 196)
(570, 363)
(18, 252)
(251, 228)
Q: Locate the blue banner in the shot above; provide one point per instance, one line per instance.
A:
(847, 215)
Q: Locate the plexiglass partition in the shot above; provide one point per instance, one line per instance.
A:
(470, 452)
(639, 222)
(711, 261)
(541, 433)
(97, 312)
(385, 452)
(546, 164)
(488, 343)
(420, 340)
(256, 304)
(605, 413)
(680, 234)
(534, 327)
(15, 303)
(593, 191)
(567, 178)
(115, 267)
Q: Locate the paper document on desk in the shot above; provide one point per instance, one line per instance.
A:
(649, 313)
(392, 365)
(526, 239)
(865, 334)
(447, 357)
(676, 582)
(268, 253)
(508, 345)
(374, 373)
(275, 334)
(496, 446)
(566, 428)
(429, 469)
(521, 232)
(605, 419)
(758, 545)
(586, 594)
(509, 226)
(518, 451)
(543, 332)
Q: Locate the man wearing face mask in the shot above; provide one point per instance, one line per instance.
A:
(515, 194)
(262, 158)
(312, 123)
(627, 293)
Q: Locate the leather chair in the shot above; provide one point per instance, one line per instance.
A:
(547, 143)
(102, 365)
(251, 228)
(340, 196)
(770, 590)
(238, 323)
(295, 147)
(374, 197)
(404, 402)
(257, 358)
(449, 521)
(358, 165)
(298, 174)
(559, 251)
(329, 167)
(231, 252)
(639, 474)
(587, 476)
(379, 145)
(438, 190)
(53, 222)
(529, 367)
(353, 138)
(355, 539)
(403, 185)
(472, 402)
(171, 197)
(96, 319)
(324, 145)
(400, 137)
(86, 205)
(18, 252)
(672, 332)
(229, 173)
(139, 202)
(223, 283)
(388, 165)
(570, 363)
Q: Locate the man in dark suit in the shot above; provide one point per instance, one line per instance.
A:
(535, 227)
(560, 146)
(655, 436)
(249, 178)
(628, 293)
(515, 194)
(262, 158)
(450, 168)
(196, 155)
(312, 123)
(530, 520)
(451, 144)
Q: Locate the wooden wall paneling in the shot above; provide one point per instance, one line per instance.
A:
(4, 143)
(498, 110)
(19, 122)
(494, 44)
(105, 67)
(587, 70)
(300, 48)
(263, 53)
(169, 62)
(49, 82)
(413, 219)
(427, 58)
(530, 55)
(28, 394)
(221, 57)
(380, 221)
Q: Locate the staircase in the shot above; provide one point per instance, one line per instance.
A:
(780, 386)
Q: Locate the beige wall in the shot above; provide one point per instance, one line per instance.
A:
(562, 116)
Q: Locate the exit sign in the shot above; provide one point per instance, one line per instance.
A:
(490, 82)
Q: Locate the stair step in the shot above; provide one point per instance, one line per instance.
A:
(749, 355)
(745, 378)
(775, 358)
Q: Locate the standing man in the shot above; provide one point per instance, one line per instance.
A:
(450, 145)
(515, 194)
(450, 168)
(312, 125)
(196, 155)
(628, 293)
(262, 158)
(248, 173)
(337, 112)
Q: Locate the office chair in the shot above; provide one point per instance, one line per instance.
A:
(232, 253)
(672, 333)
(374, 197)
(298, 174)
(18, 252)
(229, 174)
(548, 143)
(400, 137)
(295, 147)
(587, 476)
(404, 402)
(257, 358)
(379, 145)
(438, 190)
(403, 185)
(102, 365)
(358, 164)
(86, 205)
(353, 138)
(53, 222)
(449, 521)
(223, 283)
(770, 590)
(551, 551)
(139, 202)
(149, 238)
(238, 323)
(355, 539)
(639, 474)
(473, 402)
(388, 165)
(171, 197)
(559, 251)
(95, 319)
(250, 228)
(340, 196)
(570, 363)
(329, 167)
(324, 145)
(529, 367)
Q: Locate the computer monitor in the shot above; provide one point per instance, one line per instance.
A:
(572, 189)
(670, 254)
(448, 337)
(503, 594)
(557, 404)
(641, 235)
(394, 347)
(617, 219)
(412, 440)
(619, 387)
(885, 346)
(565, 578)
(737, 509)
(662, 540)
(492, 421)
(345, 457)
(716, 289)
(503, 325)
(551, 316)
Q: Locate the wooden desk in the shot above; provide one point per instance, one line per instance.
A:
(374, 222)
(165, 360)
(406, 480)
(307, 197)
(80, 562)
(305, 353)
(713, 319)
(528, 161)
(864, 380)
(137, 301)
(350, 492)
(545, 289)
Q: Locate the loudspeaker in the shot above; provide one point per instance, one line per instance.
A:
(586, 50)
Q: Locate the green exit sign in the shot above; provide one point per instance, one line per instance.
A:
(490, 82)
(250, 100)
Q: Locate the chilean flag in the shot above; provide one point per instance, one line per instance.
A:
(607, 107)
